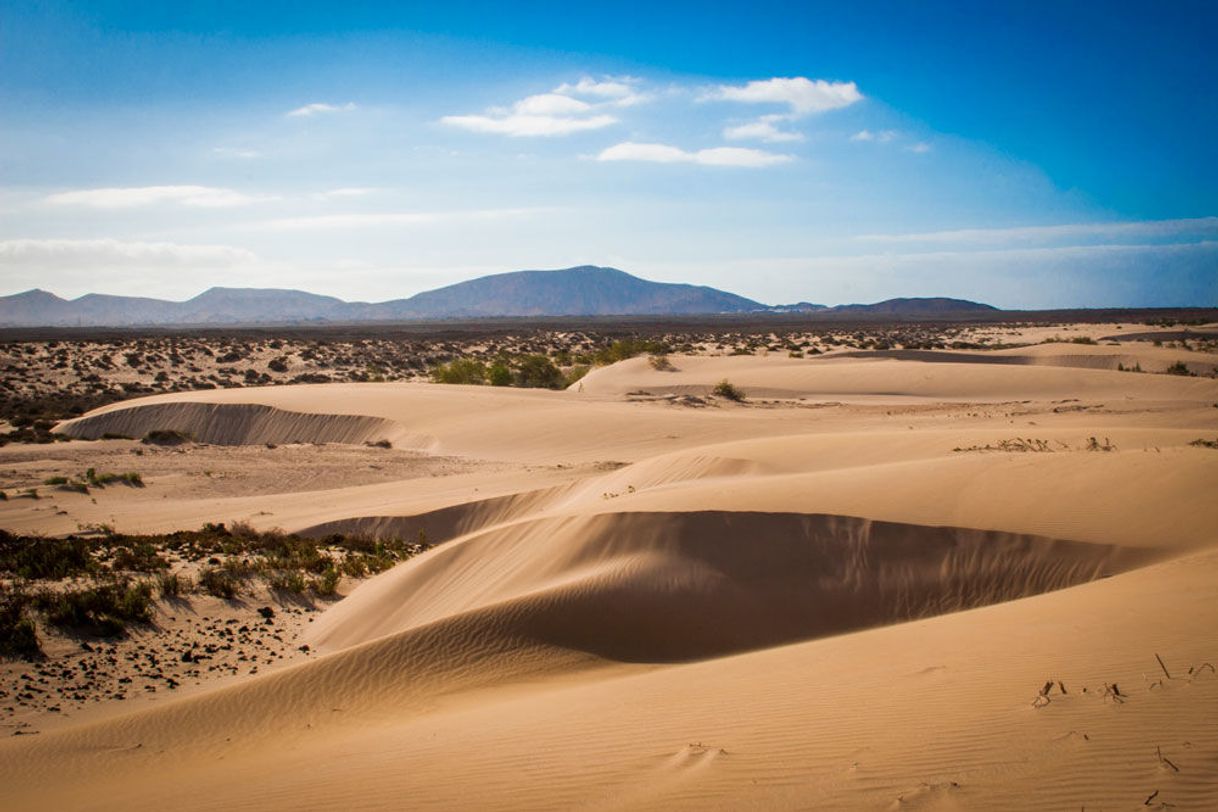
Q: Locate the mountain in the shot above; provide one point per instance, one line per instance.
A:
(246, 305)
(928, 306)
(587, 290)
(584, 291)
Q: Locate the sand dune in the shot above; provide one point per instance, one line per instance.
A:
(846, 598)
(229, 424)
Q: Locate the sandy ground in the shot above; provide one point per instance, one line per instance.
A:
(885, 580)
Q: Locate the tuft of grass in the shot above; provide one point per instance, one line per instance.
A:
(55, 480)
(286, 581)
(326, 585)
(220, 582)
(18, 633)
(172, 584)
(660, 363)
(1203, 443)
(726, 389)
(131, 478)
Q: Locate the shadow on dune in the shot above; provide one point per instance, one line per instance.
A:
(663, 587)
(230, 424)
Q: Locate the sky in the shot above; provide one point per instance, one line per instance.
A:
(1026, 154)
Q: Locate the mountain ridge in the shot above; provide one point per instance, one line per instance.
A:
(584, 290)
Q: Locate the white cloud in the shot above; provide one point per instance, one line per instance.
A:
(762, 129)
(803, 96)
(1197, 227)
(378, 219)
(317, 108)
(346, 191)
(528, 125)
(550, 104)
(881, 137)
(920, 148)
(569, 108)
(134, 196)
(619, 91)
(74, 254)
(718, 156)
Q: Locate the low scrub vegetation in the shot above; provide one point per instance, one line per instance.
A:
(728, 391)
(1179, 368)
(97, 586)
(167, 437)
(102, 608)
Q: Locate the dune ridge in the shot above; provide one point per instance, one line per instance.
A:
(229, 424)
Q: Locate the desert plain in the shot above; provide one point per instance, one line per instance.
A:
(972, 572)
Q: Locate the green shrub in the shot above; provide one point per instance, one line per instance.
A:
(460, 371)
(55, 480)
(538, 372)
(725, 389)
(1179, 368)
(628, 348)
(499, 374)
(576, 373)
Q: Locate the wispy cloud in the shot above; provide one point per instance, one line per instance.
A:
(319, 108)
(920, 148)
(568, 108)
(346, 192)
(135, 196)
(1195, 228)
(229, 152)
(108, 252)
(619, 91)
(380, 219)
(763, 129)
(717, 156)
(801, 95)
(881, 137)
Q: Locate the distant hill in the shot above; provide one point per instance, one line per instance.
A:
(584, 291)
(929, 306)
(587, 290)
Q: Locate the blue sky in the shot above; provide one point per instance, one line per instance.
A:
(1025, 154)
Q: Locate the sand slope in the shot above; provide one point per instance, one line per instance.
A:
(846, 601)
